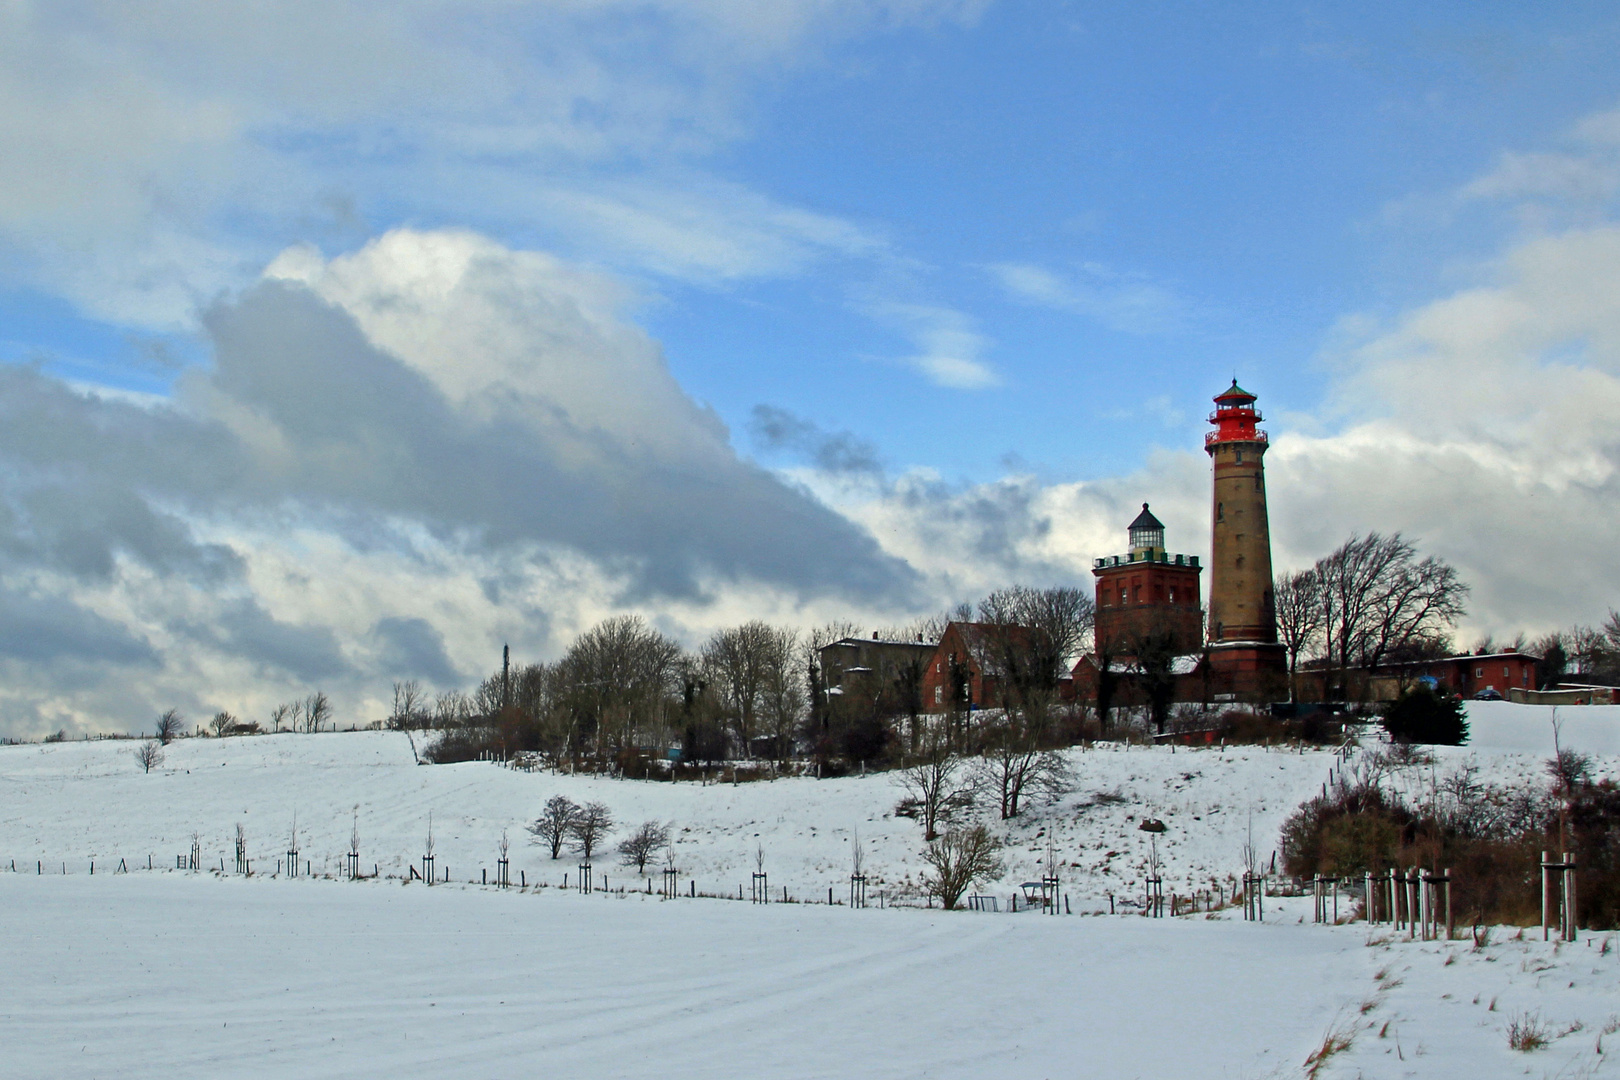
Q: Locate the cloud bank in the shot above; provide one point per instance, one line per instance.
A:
(398, 458)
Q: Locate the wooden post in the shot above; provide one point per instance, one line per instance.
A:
(1546, 867)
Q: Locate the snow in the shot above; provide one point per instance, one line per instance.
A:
(208, 974)
(77, 802)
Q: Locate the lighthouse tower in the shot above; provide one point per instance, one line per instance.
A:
(1242, 637)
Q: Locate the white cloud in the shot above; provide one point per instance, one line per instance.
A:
(156, 154)
(949, 348)
(1120, 302)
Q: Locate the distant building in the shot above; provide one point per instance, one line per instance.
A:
(963, 671)
(870, 665)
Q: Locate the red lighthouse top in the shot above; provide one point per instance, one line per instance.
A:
(1234, 418)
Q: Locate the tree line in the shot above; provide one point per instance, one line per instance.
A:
(625, 691)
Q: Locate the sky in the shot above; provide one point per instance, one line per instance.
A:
(343, 343)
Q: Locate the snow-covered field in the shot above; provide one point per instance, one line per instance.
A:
(196, 974)
(174, 976)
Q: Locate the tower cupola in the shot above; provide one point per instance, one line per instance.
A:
(1147, 534)
(1235, 418)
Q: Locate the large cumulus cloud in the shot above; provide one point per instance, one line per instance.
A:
(435, 404)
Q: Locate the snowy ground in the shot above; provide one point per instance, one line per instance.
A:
(180, 976)
(196, 974)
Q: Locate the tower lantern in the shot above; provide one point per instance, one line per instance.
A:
(1147, 533)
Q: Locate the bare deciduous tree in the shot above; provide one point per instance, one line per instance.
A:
(1298, 600)
(148, 755)
(1014, 765)
(317, 711)
(282, 715)
(1376, 594)
(616, 681)
(408, 705)
(556, 823)
(168, 726)
(958, 859)
(641, 845)
(222, 724)
(593, 822)
(741, 663)
(935, 782)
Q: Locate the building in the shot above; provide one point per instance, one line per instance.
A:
(1244, 655)
(966, 670)
(871, 666)
(1147, 591)
(1464, 675)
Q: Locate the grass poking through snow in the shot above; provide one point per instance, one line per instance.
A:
(1526, 1032)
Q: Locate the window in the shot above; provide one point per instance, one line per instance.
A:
(1479, 673)
(1220, 511)
(939, 695)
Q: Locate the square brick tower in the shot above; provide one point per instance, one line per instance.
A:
(1243, 651)
(1147, 591)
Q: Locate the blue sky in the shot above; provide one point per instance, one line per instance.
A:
(1212, 188)
(958, 278)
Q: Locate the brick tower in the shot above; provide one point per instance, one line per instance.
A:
(1243, 649)
(1147, 591)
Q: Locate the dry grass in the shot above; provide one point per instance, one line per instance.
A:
(1526, 1032)
(1336, 1041)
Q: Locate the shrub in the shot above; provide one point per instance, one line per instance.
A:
(1422, 716)
(958, 859)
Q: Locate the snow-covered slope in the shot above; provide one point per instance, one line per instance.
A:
(74, 802)
(70, 803)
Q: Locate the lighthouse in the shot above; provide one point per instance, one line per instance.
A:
(1242, 621)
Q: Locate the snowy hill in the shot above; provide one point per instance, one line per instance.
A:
(70, 803)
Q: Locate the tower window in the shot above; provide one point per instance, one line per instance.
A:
(1220, 511)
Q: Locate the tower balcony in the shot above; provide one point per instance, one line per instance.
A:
(1144, 558)
(1213, 437)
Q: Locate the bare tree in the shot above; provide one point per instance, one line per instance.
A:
(1376, 594)
(148, 755)
(589, 827)
(1028, 639)
(556, 823)
(616, 682)
(169, 726)
(222, 724)
(741, 663)
(317, 711)
(1298, 600)
(957, 860)
(935, 782)
(782, 698)
(643, 844)
(281, 714)
(408, 703)
(1013, 764)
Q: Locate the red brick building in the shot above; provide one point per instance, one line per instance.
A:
(1148, 591)
(964, 669)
